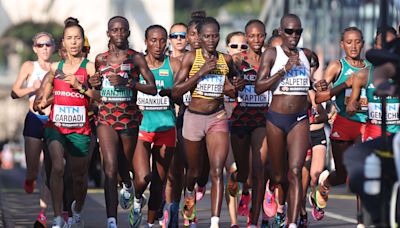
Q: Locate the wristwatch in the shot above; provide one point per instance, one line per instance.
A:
(83, 89)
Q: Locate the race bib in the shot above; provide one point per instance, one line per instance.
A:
(392, 113)
(69, 116)
(363, 98)
(187, 97)
(110, 93)
(295, 81)
(248, 97)
(211, 85)
(150, 102)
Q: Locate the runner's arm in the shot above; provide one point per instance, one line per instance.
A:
(181, 85)
(48, 87)
(359, 81)
(150, 86)
(17, 90)
(331, 73)
(263, 81)
(40, 91)
(231, 89)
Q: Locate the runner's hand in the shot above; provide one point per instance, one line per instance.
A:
(321, 85)
(72, 80)
(239, 83)
(165, 92)
(42, 105)
(95, 80)
(209, 65)
(352, 108)
(116, 80)
(293, 60)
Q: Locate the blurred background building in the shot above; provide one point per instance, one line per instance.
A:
(323, 22)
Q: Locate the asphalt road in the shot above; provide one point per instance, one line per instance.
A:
(19, 209)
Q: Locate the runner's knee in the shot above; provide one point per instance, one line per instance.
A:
(294, 174)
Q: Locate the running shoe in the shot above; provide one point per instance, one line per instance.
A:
(243, 207)
(303, 221)
(264, 224)
(77, 221)
(190, 223)
(266, 221)
(186, 223)
(174, 217)
(160, 213)
(126, 197)
(234, 226)
(65, 215)
(316, 212)
(189, 208)
(135, 216)
(58, 222)
(269, 205)
(167, 216)
(232, 185)
(68, 223)
(29, 186)
(40, 221)
(200, 193)
(112, 224)
(280, 220)
(321, 194)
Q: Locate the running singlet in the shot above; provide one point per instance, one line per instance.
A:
(375, 110)
(117, 107)
(210, 86)
(251, 108)
(343, 97)
(158, 112)
(69, 111)
(37, 74)
(297, 80)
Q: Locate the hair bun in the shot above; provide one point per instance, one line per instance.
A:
(71, 21)
(200, 14)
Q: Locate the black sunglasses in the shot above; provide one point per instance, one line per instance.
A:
(178, 35)
(40, 45)
(235, 46)
(291, 31)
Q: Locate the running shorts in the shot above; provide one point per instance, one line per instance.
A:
(75, 144)
(196, 126)
(167, 138)
(344, 129)
(34, 125)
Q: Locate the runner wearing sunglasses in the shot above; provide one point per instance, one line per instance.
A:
(175, 181)
(178, 40)
(32, 73)
(285, 70)
(248, 125)
(235, 38)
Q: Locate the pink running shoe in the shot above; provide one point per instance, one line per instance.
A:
(317, 213)
(200, 192)
(269, 205)
(243, 207)
(41, 220)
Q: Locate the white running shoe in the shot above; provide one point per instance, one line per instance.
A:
(126, 197)
(77, 221)
(58, 222)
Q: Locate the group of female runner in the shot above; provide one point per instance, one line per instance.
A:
(193, 110)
